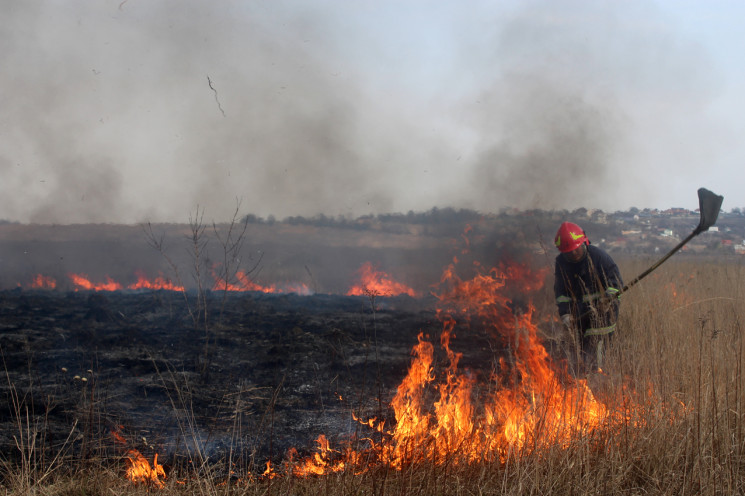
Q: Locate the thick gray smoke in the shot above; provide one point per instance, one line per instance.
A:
(582, 94)
(558, 151)
(126, 111)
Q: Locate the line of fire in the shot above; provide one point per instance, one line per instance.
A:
(369, 281)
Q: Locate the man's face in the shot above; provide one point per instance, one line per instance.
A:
(575, 255)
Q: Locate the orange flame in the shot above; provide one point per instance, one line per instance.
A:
(529, 403)
(680, 296)
(118, 438)
(43, 282)
(375, 282)
(245, 283)
(325, 460)
(140, 471)
(159, 282)
(532, 401)
(81, 281)
(269, 472)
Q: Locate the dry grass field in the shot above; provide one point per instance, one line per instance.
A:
(669, 421)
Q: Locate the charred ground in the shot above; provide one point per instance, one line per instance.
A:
(266, 373)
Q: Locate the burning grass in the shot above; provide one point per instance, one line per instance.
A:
(664, 418)
(372, 281)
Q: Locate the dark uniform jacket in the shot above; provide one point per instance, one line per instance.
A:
(581, 287)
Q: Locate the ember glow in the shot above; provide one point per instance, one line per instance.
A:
(375, 282)
(528, 402)
(680, 296)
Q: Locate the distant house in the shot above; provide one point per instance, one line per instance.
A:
(597, 215)
(676, 212)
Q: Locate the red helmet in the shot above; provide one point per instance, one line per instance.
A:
(569, 237)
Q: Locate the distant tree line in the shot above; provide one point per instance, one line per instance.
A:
(435, 218)
(435, 215)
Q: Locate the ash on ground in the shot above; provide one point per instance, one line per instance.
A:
(91, 374)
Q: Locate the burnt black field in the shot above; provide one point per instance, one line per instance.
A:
(267, 372)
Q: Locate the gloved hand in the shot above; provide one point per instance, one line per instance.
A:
(612, 293)
(605, 304)
(568, 321)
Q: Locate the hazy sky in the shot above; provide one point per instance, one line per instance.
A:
(137, 110)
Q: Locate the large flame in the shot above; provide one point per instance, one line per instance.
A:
(375, 282)
(531, 399)
(447, 416)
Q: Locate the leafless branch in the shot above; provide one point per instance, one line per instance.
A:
(157, 243)
(209, 82)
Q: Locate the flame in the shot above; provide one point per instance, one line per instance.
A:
(375, 282)
(81, 281)
(532, 401)
(140, 471)
(159, 282)
(448, 416)
(245, 283)
(118, 438)
(681, 297)
(319, 463)
(324, 461)
(269, 472)
(43, 282)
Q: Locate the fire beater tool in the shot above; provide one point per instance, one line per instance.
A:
(709, 205)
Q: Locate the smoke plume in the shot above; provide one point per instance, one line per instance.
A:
(133, 111)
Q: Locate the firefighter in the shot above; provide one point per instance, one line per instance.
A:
(586, 285)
